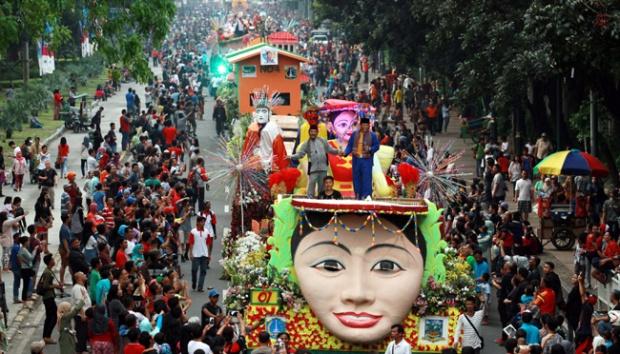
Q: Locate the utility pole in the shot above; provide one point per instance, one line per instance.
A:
(558, 113)
(593, 125)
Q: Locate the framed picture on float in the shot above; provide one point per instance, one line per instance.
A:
(268, 56)
(433, 330)
(290, 72)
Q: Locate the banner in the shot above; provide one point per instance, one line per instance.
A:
(87, 47)
(45, 56)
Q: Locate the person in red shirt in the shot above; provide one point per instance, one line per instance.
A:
(125, 130)
(121, 256)
(545, 298)
(102, 332)
(432, 112)
(57, 104)
(503, 163)
(63, 156)
(608, 257)
(169, 132)
(133, 347)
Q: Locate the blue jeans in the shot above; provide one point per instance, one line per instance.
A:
(17, 278)
(201, 262)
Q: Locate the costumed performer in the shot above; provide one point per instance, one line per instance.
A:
(264, 137)
(363, 144)
(311, 117)
(283, 181)
(317, 149)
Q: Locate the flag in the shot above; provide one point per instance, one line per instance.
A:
(87, 47)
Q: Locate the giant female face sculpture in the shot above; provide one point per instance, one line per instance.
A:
(358, 287)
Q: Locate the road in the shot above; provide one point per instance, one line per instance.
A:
(206, 134)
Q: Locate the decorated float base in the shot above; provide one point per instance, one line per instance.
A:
(429, 334)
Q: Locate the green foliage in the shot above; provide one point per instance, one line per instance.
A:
(35, 97)
(123, 29)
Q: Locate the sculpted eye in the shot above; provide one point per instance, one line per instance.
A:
(329, 265)
(386, 266)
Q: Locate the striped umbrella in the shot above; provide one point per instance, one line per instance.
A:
(571, 163)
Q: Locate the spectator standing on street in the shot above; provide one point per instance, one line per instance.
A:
(15, 268)
(84, 154)
(57, 103)
(524, 195)
(398, 345)
(26, 263)
(498, 186)
(543, 147)
(125, 129)
(199, 253)
(47, 178)
(63, 156)
(19, 170)
(469, 322)
(45, 288)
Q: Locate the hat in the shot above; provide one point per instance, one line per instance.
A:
(71, 175)
(364, 120)
(213, 293)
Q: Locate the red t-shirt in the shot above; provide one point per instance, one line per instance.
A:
(503, 164)
(169, 133)
(432, 112)
(134, 348)
(63, 150)
(612, 249)
(125, 124)
(545, 300)
(121, 259)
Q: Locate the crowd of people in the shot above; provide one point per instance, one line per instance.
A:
(127, 228)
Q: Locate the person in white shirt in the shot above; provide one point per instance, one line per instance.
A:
(524, 193)
(92, 164)
(196, 342)
(79, 292)
(199, 253)
(469, 322)
(398, 345)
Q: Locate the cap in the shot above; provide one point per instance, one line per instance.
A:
(71, 175)
(213, 293)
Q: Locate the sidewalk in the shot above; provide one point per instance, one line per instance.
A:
(17, 318)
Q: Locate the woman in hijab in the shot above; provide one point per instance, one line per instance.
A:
(66, 313)
(137, 255)
(102, 333)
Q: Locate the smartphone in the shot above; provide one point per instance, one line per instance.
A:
(211, 321)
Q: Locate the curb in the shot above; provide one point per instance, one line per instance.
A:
(23, 314)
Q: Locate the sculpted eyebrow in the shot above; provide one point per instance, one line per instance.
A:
(330, 243)
(386, 245)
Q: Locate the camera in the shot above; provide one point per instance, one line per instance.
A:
(233, 313)
(211, 321)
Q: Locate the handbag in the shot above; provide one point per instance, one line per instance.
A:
(58, 163)
(476, 330)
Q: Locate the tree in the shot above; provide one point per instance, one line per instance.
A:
(539, 57)
(123, 29)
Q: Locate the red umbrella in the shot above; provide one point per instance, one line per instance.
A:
(598, 168)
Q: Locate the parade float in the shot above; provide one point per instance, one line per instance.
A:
(336, 275)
